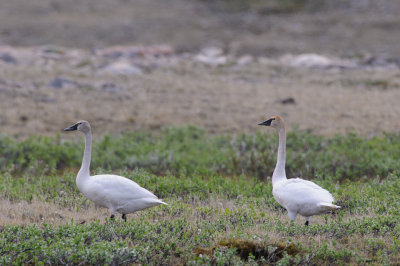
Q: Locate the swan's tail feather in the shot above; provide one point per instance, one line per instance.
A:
(329, 206)
(155, 201)
(162, 202)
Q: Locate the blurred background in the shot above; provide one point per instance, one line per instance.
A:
(342, 27)
(218, 64)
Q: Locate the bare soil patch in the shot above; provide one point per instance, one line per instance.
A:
(47, 89)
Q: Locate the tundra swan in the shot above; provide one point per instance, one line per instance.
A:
(117, 193)
(296, 195)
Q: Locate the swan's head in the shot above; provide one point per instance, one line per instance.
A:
(82, 125)
(274, 121)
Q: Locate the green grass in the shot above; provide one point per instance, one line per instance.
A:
(189, 150)
(366, 230)
(221, 210)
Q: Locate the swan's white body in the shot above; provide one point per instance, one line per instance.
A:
(117, 193)
(297, 196)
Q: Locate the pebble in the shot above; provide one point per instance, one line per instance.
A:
(122, 67)
(6, 57)
(59, 83)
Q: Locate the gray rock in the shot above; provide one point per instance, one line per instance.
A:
(111, 87)
(59, 83)
(122, 67)
(6, 57)
(289, 100)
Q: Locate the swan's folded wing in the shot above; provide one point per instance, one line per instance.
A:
(113, 186)
(303, 191)
(304, 182)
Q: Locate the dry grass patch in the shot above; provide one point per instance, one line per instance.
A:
(230, 98)
(40, 212)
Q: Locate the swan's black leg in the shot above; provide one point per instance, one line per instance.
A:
(124, 217)
(306, 223)
(112, 217)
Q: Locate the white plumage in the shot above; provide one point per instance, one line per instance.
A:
(117, 193)
(297, 196)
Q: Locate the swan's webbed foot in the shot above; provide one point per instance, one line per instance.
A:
(124, 217)
(306, 223)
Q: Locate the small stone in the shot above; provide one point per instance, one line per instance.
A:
(212, 56)
(6, 57)
(122, 67)
(245, 60)
(46, 99)
(307, 60)
(59, 83)
(289, 100)
(316, 61)
(111, 87)
(117, 52)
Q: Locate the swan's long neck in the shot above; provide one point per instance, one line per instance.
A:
(84, 172)
(279, 172)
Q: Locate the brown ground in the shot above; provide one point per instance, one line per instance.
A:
(164, 86)
(37, 211)
(175, 89)
(340, 27)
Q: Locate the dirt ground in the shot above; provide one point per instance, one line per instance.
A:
(47, 89)
(58, 65)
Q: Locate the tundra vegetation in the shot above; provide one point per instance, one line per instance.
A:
(221, 210)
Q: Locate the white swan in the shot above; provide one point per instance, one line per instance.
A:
(296, 195)
(117, 193)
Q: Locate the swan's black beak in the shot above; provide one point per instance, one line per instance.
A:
(266, 122)
(71, 128)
